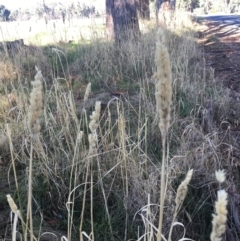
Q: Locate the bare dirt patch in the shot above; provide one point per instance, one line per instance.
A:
(221, 45)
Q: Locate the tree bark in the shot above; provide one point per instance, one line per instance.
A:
(121, 20)
(109, 19)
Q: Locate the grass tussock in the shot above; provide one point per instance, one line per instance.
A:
(106, 133)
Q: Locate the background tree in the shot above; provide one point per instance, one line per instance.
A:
(188, 5)
(214, 6)
(14, 15)
(121, 19)
(159, 3)
(233, 6)
(4, 13)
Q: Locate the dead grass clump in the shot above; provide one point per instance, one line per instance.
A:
(98, 62)
(7, 108)
(8, 72)
(4, 150)
(29, 57)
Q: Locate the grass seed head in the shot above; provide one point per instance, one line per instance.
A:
(87, 92)
(182, 189)
(163, 84)
(220, 176)
(220, 218)
(95, 117)
(36, 104)
(12, 204)
(93, 125)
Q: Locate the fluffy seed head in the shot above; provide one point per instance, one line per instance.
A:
(220, 218)
(163, 84)
(182, 189)
(12, 204)
(220, 176)
(93, 125)
(95, 117)
(92, 139)
(36, 104)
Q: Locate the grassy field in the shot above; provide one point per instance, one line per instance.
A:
(38, 32)
(107, 142)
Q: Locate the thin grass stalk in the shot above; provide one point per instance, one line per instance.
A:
(15, 220)
(91, 200)
(145, 168)
(29, 205)
(14, 231)
(123, 157)
(84, 202)
(70, 212)
(105, 198)
(12, 157)
(73, 108)
(84, 117)
(74, 167)
(57, 51)
(149, 232)
(162, 193)
(121, 126)
(92, 139)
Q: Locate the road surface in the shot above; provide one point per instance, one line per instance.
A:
(231, 19)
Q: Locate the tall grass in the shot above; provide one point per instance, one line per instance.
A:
(91, 165)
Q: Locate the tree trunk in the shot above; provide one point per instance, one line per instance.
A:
(121, 20)
(109, 19)
(160, 2)
(143, 9)
(164, 7)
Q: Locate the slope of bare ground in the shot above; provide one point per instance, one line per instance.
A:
(221, 45)
(222, 52)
